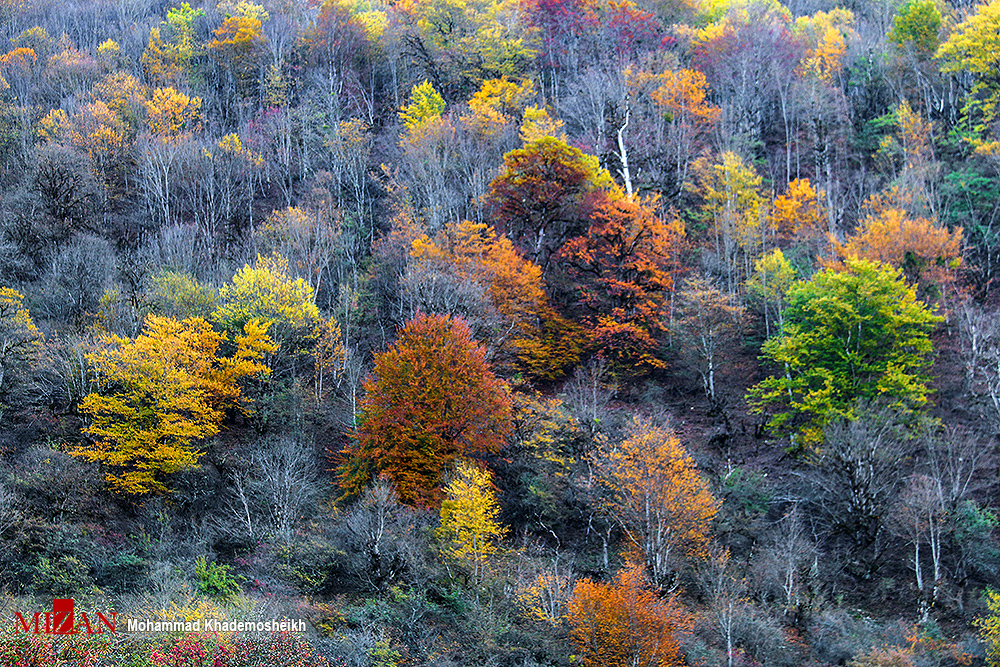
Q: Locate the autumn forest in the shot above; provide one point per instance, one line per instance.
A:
(529, 333)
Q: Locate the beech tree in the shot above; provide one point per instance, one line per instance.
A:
(854, 334)
(545, 194)
(621, 270)
(654, 492)
(162, 393)
(625, 623)
(431, 399)
(469, 513)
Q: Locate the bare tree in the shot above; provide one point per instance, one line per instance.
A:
(707, 319)
(590, 391)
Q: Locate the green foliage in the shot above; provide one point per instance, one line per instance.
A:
(265, 292)
(855, 334)
(215, 580)
(62, 576)
(180, 296)
(917, 23)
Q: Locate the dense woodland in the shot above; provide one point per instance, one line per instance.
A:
(530, 332)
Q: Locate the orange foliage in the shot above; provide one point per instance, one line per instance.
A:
(927, 253)
(622, 269)
(657, 496)
(799, 212)
(431, 399)
(624, 624)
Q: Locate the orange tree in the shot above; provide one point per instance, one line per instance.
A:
(544, 195)
(654, 492)
(621, 269)
(161, 393)
(624, 623)
(430, 399)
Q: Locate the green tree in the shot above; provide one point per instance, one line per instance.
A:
(469, 527)
(854, 334)
(20, 340)
(917, 23)
(425, 104)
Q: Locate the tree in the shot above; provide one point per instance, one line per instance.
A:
(624, 623)
(928, 254)
(20, 340)
(544, 195)
(732, 198)
(989, 627)
(264, 292)
(622, 270)
(974, 48)
(469, 529)
(855, 334)
(160, 394)
(654, 492)
(706, 318)
(431, 399)
(773, 277)
(478, 257)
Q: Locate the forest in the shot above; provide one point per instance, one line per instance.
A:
(527, 333)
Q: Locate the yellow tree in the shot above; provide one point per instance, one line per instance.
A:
(798, 214)
(469, 528)
(684, 95)
(266, 293)
(974, 48)
(731, 190)
(989, 627)
(162, 393)
(20, 339)
(654, 492)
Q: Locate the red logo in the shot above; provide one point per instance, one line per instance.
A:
(63, 621)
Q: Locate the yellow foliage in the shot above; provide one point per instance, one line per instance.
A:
(989, 627)
(160, 394)
(469, 530)
(825, 33)
(173, 114)
(496, 104)
(266, 293)
(537, 124)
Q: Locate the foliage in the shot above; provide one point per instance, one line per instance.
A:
(924, 251)
(214, 579)
(264, 292)
(544, 196)
(469, 528)
(973, 48)
(431, 399)
(180, 296)
(624, 623)
(654, 492)
(856, 333)
(425, 104)
(160, 394)
(20, 339)
(622, 270)
(989, 627)
(916, 24)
